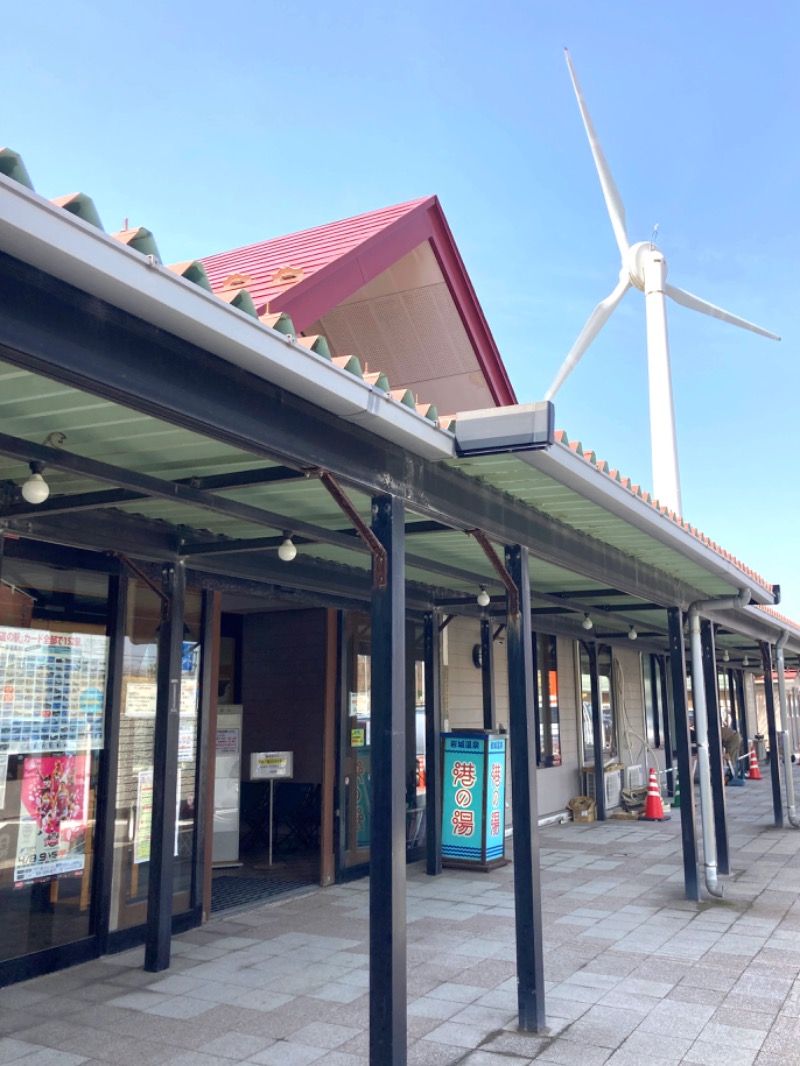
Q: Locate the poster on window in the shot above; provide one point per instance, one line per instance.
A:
(143, 823)
(52, 824)
(52, 693)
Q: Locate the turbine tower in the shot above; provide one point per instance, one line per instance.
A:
(644, 268)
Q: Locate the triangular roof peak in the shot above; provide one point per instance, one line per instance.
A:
(389, 286)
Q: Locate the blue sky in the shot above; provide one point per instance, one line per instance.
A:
(217, 127)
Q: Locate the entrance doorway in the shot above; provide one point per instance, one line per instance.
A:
(277, 707)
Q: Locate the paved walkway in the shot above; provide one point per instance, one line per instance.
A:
(636, 975)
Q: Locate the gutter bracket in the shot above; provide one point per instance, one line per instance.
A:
(380, 560)
(502, 573)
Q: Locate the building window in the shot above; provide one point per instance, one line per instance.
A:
(608, 716)
(652, 667)
(545, 684)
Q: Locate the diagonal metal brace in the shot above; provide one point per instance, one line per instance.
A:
(166, 601)
(502, 573)
(380, 560)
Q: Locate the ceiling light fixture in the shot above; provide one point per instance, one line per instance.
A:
(35, 489)
(287, 550)
(483, 599)
(726, 658)
(587, 623)
(745, 661)
(632, 634)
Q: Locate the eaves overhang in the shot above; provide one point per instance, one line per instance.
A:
(571, 470)
(566, 467)
(58, 243)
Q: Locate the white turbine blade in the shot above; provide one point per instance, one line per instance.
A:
(597, 319)
(680, 296)
(616, 209)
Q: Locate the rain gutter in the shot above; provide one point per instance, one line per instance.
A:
(787, 744)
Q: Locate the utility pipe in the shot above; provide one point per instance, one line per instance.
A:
(701, 731)
(787, 744)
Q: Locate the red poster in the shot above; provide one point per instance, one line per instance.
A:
(52, 824)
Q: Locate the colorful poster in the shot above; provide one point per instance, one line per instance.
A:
(52, 695)
(52, 826)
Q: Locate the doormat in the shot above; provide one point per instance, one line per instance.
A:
(229, 891)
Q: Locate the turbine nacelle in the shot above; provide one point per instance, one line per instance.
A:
(636, 261)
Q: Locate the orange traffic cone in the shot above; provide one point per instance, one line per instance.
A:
(653, 808)
(755, 773)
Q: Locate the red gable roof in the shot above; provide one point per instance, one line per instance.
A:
(307, 274)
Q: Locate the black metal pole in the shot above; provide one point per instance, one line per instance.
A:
(654, 700)
(487, 673)
(774, 761)
(165, 770)
(677, 663)
(527, 875)
(387, 895)
(597, 731)
(669, 762)
(738, 680)
(109, 762)
(715, 745)
(433, 742)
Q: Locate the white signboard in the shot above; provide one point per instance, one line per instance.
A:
(271, 764)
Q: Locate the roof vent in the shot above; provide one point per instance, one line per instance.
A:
(237, 281)
(287, 275)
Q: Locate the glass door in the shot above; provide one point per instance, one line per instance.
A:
(53, 664)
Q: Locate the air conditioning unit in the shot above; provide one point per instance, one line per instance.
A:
(634, 777)
(613, 787)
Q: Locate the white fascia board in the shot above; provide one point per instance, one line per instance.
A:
(573, 471)
(64, 246)
(756, 624)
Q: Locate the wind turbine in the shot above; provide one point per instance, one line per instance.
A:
(644, 268)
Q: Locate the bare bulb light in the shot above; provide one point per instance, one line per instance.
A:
(35, 489)
(632, 634)
(287, 550)
(483, 598)
(587, 623)
(726, 658)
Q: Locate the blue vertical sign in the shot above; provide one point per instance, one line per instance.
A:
(496, 799)
(473, 799)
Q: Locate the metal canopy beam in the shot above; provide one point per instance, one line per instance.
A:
(84, 501)
(154, 487)
(58, 331)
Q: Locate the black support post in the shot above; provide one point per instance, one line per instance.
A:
(597, 732)
(774, 761)
(109, 762)
(669, 762)
(433, 742)
(165, 769)
(387, 895)
(527, 875)
(487, 673)
(744, 731)
(715, 745)
(677, 662)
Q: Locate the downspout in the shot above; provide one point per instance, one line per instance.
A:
(787, 745)
(701, 731)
